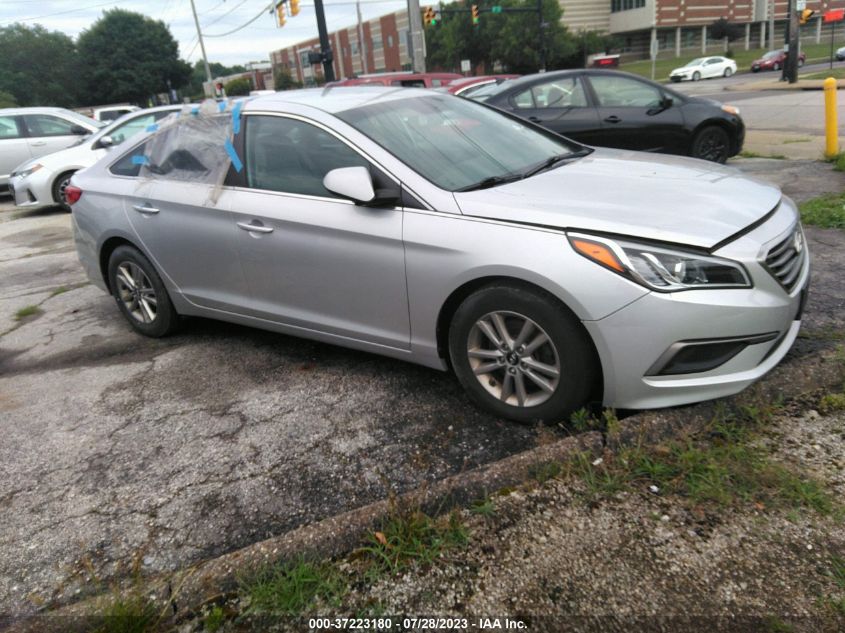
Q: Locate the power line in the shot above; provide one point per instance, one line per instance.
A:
(243, 26)
(220, 17)
(50, 15)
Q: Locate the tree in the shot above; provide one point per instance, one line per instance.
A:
(721, 29)
(38, 67)
(7, 100)
(283, 80)
(238, 87)
(127, 56)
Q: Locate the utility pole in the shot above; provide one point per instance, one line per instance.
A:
(542, 26)
(417, 45)
(202, 44)
(325, 47)
(771, 25)
(791, 64)
(361, 52)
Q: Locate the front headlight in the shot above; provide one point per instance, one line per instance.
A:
(28, 171)
(730, 109)
(660, 268)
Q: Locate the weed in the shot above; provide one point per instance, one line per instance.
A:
(826, 211)
(837, 570)
(750, 154)
(796, 140)
(832, 402)
(132, 614)
(544, 471)
(483, 507)
(214, 620)
(289, 588)
(582, 420)
(414, 537)
(27, 312)
(773, 624)
(611, 422)
(59, 291)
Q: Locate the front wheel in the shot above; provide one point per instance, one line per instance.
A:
(711, 143)
(696, 76)
(140, 294)
(521, 355)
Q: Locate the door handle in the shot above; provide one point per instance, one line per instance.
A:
(145, 208)
(255, 228)
(38, 143)
(534, 119)
(613, 119)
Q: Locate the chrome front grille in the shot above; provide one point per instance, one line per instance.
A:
(785, 260)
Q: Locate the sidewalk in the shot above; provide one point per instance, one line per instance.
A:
(787, 145)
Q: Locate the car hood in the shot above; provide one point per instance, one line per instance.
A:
(657, 197)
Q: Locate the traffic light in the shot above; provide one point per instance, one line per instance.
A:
(806, 14)
(475, 14)
(294, 7)
(280, 13)
(428, 16)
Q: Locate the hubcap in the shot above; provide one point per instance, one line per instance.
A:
(136, 292)
(63, 191)
(513, 359)
(713, 147)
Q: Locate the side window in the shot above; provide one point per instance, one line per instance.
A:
(617, 91)
(524, 99)
(128, 165)
(9, 127)
(47, 125)
(292, 156)
(133, 126)
(561, 93)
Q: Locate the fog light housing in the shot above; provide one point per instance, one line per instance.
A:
(696, 356)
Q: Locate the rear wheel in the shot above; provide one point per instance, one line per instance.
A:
(140, 294)
(711, 143)
(776, 66)
(800, 63)
(728, 72)
(521, 355)
(59, 187)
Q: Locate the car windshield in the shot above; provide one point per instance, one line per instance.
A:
(771, 54)
(696, 62)
(455, 143)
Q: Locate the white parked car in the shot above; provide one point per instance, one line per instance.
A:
(27, 133)
(41, 182)
(840, 54)
(704, 68)
(112, 113)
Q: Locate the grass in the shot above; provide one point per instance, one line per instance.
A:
(826, 211)
(132, 614)
(723, 466)
(27, 311)
(412, 538)
(836, 73)
(59, 291)
(750, 154)
(483, 507)
(545, 471)
(289, 588)
(667, 62)
(838, 161)
(215, 619)
(832, 402)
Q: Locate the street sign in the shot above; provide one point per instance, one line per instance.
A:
(800, 5)
(496, 9)
(834, 15)
(466, 65)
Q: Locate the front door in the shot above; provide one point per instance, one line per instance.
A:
(311, 259)
(48, 133)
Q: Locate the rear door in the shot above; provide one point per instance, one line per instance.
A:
(714, 67)
(48, 133)
(14, 147)
(561, 105)
(635, 116)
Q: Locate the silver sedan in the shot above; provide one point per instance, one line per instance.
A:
(545, 274)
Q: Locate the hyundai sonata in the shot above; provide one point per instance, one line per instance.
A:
(544, 273)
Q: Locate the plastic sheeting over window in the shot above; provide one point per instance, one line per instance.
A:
(194, 145)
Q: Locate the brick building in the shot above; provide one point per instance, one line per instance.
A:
(385, 46)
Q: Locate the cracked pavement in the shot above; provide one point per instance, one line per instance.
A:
(124, 454)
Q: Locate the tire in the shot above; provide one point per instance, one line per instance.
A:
(144, 302)
(776, 67)
(696, 76)
(800, 63)
(728, 72)
(58, 189)
(711, 143)
(512, 307)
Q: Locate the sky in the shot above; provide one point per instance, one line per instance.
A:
(252, 43)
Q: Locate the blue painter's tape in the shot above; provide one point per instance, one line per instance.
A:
(152, 127)
(221, 105)
(230, 150)
(195, 110)
(236, 117)
(141, 160)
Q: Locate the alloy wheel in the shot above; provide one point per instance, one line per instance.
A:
(513, 358)
(712, 147)
(63, 191)
(136, 292)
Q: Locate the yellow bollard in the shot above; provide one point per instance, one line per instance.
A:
(831, 118)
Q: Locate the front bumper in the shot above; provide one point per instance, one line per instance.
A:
(33, 191)
(637, 338)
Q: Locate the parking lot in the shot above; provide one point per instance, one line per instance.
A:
(121, 452)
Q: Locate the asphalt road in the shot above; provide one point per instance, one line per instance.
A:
(120, 451)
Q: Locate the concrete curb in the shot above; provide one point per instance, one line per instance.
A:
(188, 589)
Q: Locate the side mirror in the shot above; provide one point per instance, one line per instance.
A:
(354, 183)
(106, 141)
(667, 102)
(78, 130)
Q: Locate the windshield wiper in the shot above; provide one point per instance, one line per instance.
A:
(551, 161)
(492, 181)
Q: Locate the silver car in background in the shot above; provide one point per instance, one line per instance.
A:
(437, 230)
(27, 133)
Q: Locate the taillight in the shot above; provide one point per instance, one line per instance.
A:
(72, 194)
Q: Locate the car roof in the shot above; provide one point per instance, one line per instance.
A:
(34, 110)
(336, 98)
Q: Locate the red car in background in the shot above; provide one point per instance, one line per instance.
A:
(407, 80)
(774, 60)
(465, 86)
